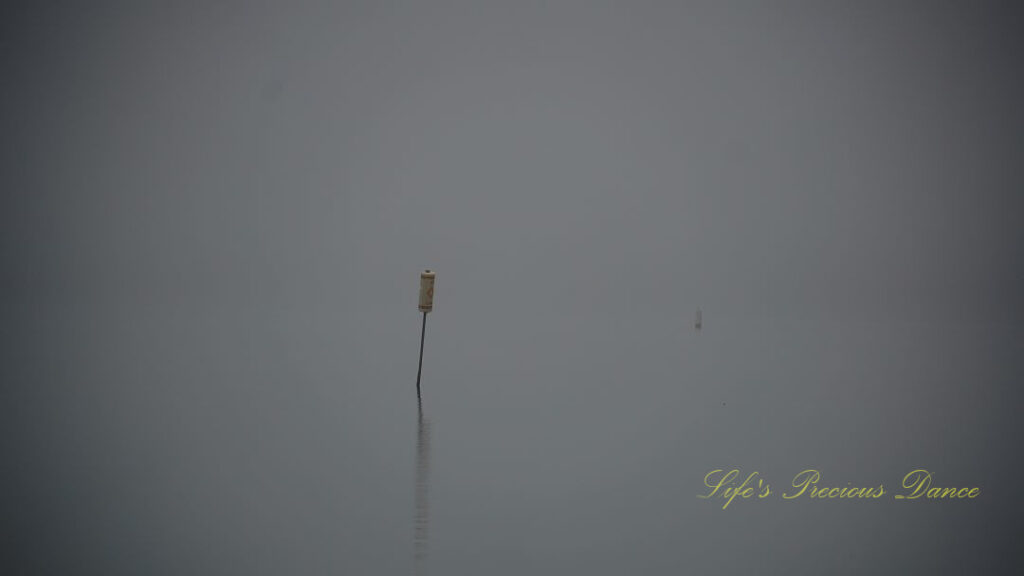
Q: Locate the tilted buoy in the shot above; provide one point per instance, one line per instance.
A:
(426, 305)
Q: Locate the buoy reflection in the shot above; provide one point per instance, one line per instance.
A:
(422, 485)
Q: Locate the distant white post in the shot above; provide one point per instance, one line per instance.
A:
(426, 305)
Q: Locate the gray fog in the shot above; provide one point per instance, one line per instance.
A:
(214, 216)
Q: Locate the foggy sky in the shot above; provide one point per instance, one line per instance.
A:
(224, 190)
(803, 160)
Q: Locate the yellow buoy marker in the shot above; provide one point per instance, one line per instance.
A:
(426, 291)
(426, 305)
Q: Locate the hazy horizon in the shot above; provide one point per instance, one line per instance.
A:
(214, 216)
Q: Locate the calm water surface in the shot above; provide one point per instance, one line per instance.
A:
(565, 449)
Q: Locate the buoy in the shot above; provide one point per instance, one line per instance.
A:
(426, 305)
(426, 291)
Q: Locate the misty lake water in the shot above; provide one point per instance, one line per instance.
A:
(566, 449)
(215, 215)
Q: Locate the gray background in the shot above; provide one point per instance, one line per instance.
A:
(214, 214)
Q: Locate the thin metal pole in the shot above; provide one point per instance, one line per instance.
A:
(423, 333)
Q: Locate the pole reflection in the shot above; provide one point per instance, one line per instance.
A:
(422, 520)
